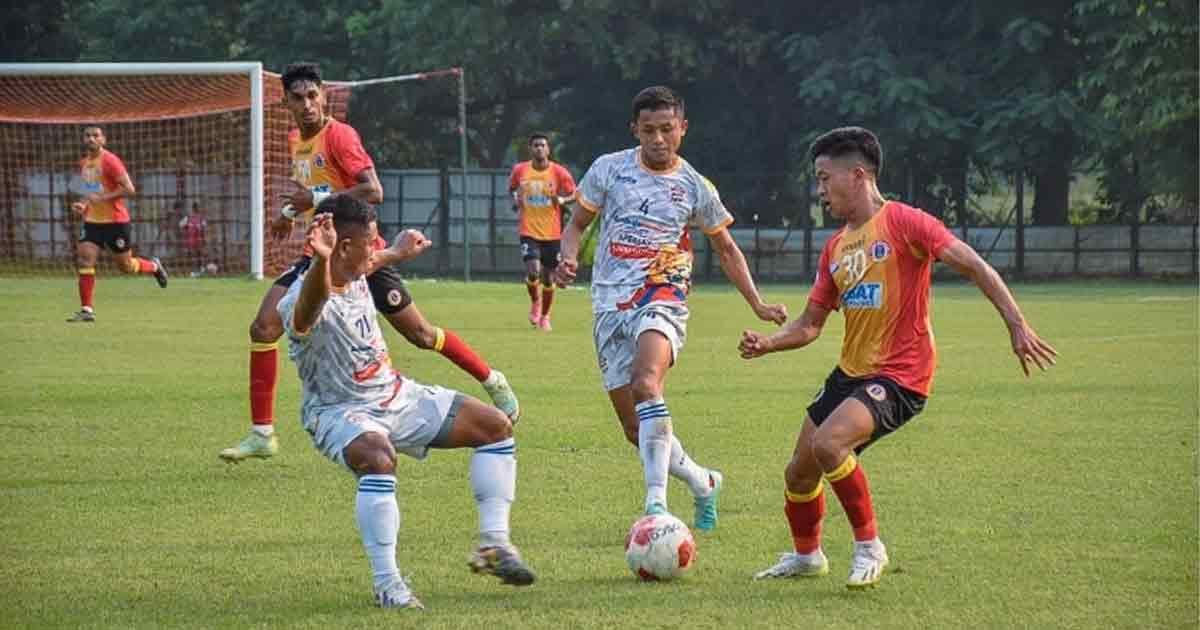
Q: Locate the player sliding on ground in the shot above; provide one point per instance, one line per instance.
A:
(361, 412)
(649, 196)
(328, 159)
(105, 221)
(876, 270)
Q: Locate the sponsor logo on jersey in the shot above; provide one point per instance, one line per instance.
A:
(625, 179)
(833, 267)
(319, 161)
(880, 251)
(864, 295)
(622, 250)
(876, 392)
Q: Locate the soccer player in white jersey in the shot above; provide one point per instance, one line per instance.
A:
(360, 412)
(649, 196)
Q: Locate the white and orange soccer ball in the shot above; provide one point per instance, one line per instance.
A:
(659, 547)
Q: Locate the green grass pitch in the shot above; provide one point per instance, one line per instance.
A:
(1068, 500)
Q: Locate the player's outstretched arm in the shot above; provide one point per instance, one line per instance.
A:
(795, 334)
(733, 263)
(407, 245)
(1026, 344)
(568, 264)
(322, 238)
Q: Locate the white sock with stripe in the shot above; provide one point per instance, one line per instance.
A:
(654, 445)
(494, 482)
(688, 471)
(378, 517)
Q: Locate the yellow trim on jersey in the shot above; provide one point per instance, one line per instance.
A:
(87, 271)
(261, 346)
(796, 497)
(843, 470)
(440, 341)
(587, 205)
(645, 167)
(724, 224)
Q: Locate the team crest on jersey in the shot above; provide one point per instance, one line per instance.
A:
(678, 194)
(319, 161)
(394, 297)
(880, 251)
(120, 243)
(876, 392)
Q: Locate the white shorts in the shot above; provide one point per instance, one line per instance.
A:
(615, 334)
(419, 416)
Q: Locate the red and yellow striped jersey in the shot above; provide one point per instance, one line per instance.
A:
(878, 275)
(538, 192)
(102, 174)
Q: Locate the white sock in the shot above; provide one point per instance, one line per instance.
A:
(378, 517)
(688, 471)
(492, 379)
(265, 430)
(494, 482)
(654, 445)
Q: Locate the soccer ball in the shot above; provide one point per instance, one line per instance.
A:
(211, 268)
(659, 547)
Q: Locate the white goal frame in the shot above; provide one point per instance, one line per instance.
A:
(252, 69)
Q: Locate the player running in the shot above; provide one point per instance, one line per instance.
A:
(328, 159)
(540, 188)
(360, 412)
(106, 184)
(648, 196)
(876, 270)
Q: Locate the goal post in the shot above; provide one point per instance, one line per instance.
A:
(151, 105)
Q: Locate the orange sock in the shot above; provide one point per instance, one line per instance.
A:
(804, 514)
(146, 265)
(264, 373)
(547, 299)
(849, 481)
(87, 285)
(452, 347)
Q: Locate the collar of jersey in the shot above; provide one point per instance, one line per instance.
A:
(646, 167)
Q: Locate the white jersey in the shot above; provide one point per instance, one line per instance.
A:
(343, 360)
(644, 252)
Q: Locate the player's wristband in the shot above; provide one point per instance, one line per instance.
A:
(318, 197)
(288, 211)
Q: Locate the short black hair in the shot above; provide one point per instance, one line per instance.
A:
(537, 134)
(349, 214)
(655, 98)
(845, 141)
(300, 71)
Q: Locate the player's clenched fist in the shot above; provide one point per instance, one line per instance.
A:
(410, 244)
(754, 344)
(322, 236)
(564, 273)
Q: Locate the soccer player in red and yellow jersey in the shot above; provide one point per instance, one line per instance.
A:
(328, 159)
(540, 188)
(876, 270)
(105, 220)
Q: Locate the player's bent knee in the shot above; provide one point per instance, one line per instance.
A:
(829, 451)
(265, 330)
(424, 338)
(371, 454)
(645, 386)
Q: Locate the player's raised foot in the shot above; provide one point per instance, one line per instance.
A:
(502, 562)
(866, 567)
(160, 272)
(535, 313)
(396, 594)
(502, 395)
(82, 316)
(253, 445)
(655, 508)
(794, 564)
(706, 506)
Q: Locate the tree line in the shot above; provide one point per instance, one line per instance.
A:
(962, 94)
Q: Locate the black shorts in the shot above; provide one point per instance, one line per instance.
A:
(890, 404)
(545, 251)
(114, 236)
(387, 287)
